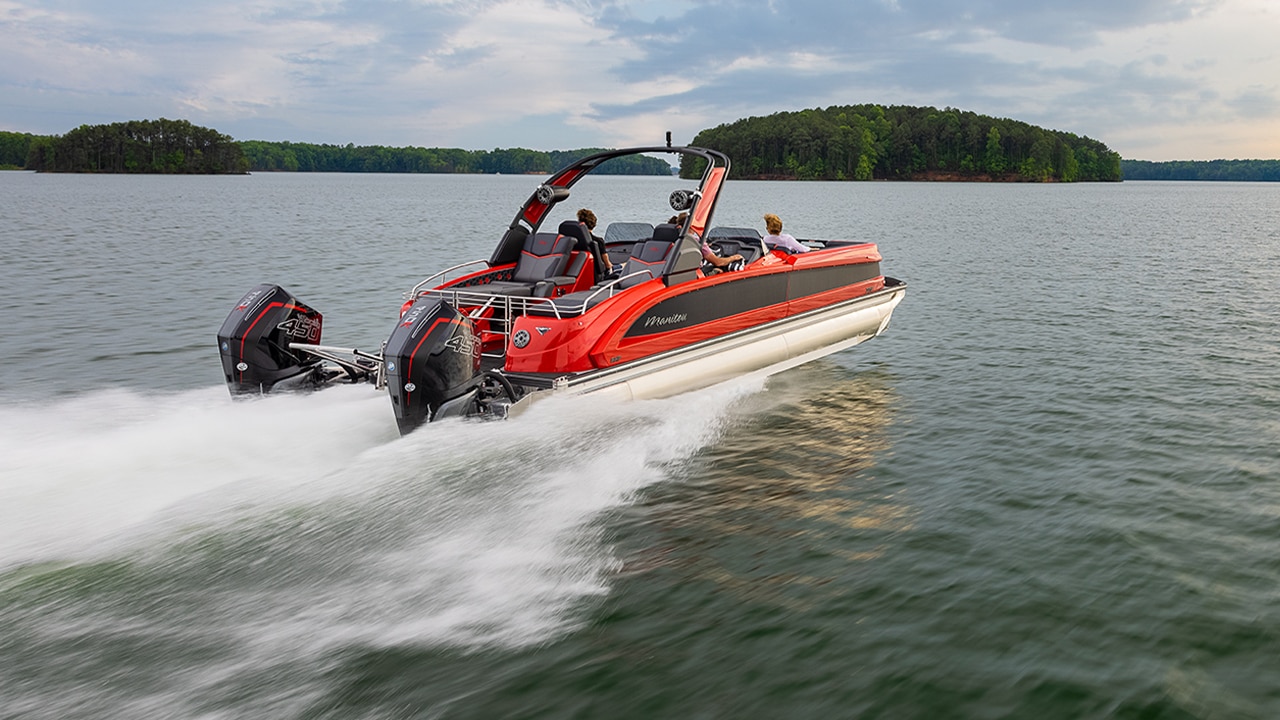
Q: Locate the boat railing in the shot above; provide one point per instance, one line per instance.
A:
(612, 287)
(441, 277)
(499, 310)
(559, 308)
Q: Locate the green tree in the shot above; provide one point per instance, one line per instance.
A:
(162, 146)
(993, 159)
(863, 171)
(14, 149)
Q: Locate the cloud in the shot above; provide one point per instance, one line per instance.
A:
(1092, 67)
(1256, 103)
(568, 73)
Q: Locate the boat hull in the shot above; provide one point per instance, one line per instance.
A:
(767, 349)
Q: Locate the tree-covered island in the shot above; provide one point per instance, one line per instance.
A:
(898, 142)
(1224, 170)
(851, 142)
(177, 146)
(137, 146)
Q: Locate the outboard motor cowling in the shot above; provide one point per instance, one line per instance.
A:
(432, 363)
(254, 342)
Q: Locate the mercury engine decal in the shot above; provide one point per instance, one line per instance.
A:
(301, 326)
(464, 345)
(250, 297)
(256, 295)
(415, 313)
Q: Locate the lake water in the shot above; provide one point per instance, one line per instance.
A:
(1050, 490)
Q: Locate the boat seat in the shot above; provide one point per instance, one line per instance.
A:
(585, 242)
(579, 232)
(647, 261)
(539, 270)
(620, 253)
(622, 238)
(650, 256)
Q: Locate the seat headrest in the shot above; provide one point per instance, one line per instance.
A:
(541, 244)
(577, 231)
(666, 233)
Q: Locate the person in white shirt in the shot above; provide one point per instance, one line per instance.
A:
(778, 239)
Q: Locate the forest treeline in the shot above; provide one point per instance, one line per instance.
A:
(13, 149)
(177, 146)
(852, 142)
(137, 146)
(307, 157)
(1232, 170)
(898, 142)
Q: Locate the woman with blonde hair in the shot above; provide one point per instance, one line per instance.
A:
(778, 239)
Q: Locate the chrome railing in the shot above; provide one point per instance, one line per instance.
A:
(502, 310)
(441, 277)
(499, 310)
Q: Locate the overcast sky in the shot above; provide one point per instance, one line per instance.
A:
(1154, 79)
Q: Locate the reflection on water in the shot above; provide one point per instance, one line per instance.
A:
(789, 484)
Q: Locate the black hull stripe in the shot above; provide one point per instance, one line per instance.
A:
(716, 302)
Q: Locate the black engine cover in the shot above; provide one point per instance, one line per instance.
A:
(254, 341)
(432, 361)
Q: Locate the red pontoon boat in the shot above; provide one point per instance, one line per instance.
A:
(543, 315)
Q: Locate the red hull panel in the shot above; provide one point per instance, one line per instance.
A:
(653, 318)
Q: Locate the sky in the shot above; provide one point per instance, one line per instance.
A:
(1153, 79)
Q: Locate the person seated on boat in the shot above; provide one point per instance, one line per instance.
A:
(716, 263)
(712, 263)
(778, 239)
(588, 218)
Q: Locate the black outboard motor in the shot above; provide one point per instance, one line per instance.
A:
(432, 363)
(254, 342)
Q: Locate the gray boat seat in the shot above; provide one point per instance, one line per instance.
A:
(622, 238)
(584, 241)
(649, 256)
(542, 262)
(648, 261)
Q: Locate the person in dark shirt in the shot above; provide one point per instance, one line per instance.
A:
(588, 218)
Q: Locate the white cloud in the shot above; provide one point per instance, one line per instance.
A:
(1208, 87)
(1154, 79)
(529, 57)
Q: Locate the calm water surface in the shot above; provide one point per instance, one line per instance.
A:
(1052, 489)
